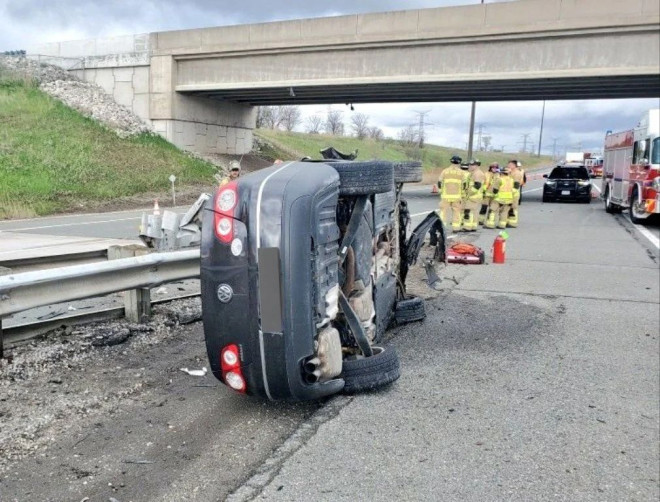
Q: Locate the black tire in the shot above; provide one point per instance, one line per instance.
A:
(408, 172)
(610, 207)
(409, 310)
(631, 209)
(364, 178)
(369, 373)
(546, 198)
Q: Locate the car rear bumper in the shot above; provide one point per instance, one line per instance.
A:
(287, 221)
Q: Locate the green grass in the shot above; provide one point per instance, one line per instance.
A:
(433, 157)
(54, 159)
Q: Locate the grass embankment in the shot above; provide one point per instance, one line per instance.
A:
(434, 158)
(53, 159)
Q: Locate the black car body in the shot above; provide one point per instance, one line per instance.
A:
(568, 181)
(301, 272)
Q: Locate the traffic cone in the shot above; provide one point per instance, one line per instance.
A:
(434, 188)
(156, 208)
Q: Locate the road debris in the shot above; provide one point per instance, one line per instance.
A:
(197, 373)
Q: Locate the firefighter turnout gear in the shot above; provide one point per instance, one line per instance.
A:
(451, 184)
(502, 200)
(518, 176)
(492, 174)
(476, 181)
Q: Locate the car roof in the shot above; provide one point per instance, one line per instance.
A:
(571, 165)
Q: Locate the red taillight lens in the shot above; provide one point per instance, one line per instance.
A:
(225, 203)
(230, 361)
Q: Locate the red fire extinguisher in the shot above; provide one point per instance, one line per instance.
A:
(499, 248)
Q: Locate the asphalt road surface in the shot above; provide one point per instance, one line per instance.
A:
(537, 379)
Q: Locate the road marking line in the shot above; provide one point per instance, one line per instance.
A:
(532, 190)
(594, 186)
(69, 224)
(646, 233)
(419, 214)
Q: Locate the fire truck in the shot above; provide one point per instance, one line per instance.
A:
(631, 169)
(594, 165)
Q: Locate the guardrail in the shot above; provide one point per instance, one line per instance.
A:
(24, 291)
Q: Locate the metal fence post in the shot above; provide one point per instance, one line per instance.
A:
(3, 271)
(137, 302)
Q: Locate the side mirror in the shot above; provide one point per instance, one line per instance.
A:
(545, 175)
(644, 163)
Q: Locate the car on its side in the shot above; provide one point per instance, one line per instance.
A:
(568, 181)
(303, 268)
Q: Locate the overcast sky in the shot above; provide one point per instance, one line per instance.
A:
(568, 124)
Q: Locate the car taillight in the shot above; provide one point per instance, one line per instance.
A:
(230, 362)
(225, 203)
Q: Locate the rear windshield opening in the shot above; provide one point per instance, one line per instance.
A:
(569, 173)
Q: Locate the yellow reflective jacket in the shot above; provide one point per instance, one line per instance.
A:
(505, 190)
(475, 194)
(452, 183)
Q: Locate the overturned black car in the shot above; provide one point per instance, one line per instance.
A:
(303, 268)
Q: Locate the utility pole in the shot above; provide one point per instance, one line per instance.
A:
(471, 136)
(481, 130)
(541, 133)
(554, 148)
(525, 136)
(420, 131)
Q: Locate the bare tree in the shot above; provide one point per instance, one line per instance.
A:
(314, 124)
(268, 116)
(289, 116)
(408, 135)
(376, 133)
(360, 125)
(334, 122)
(485, 140)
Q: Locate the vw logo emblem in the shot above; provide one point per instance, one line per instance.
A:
(225, 293)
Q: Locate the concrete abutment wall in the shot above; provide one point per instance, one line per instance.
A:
(125, 69)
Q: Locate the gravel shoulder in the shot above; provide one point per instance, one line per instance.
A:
(107, 412)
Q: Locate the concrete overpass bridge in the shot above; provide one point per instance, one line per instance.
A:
(199, 87)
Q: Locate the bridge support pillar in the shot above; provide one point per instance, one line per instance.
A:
(195, 123)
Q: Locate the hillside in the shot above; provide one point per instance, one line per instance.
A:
(53, 159)
(296, 145)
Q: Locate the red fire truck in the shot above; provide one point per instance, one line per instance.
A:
(631, 169)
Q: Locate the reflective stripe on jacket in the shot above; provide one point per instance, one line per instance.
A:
(505, 193)
(452, 184)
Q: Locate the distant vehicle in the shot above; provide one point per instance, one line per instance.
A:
(594, 166)
(303, 268)
(631, 169)
(574, 157)
(568, 181)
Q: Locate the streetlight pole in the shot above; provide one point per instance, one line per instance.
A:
(541, 132)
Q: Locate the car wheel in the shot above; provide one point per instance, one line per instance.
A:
(407, 172)
(368, 373)
(364, 178)
(546, 198)
(409, 310)
(636, 216)
(609, 208)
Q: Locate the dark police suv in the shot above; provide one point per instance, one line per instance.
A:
(568, 181)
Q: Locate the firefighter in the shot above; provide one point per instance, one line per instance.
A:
(474, 195)
(518, 176)
(234, 172)
(491, 176)
(502, 199)
(451, 185)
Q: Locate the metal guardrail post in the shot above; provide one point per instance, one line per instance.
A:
(3, 271)
(137, 302)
